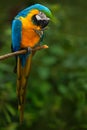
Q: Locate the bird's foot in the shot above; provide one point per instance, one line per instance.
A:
(28, 49)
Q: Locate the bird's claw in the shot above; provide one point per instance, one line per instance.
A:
(29, 50)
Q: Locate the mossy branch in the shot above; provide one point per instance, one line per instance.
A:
(22, 52)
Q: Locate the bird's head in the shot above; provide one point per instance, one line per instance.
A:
(41, 20)
(39, 14)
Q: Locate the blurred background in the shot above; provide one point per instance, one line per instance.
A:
(57, 89)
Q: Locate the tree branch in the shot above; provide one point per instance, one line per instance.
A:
(22, 52)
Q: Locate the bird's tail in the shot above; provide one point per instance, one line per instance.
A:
(22, 75)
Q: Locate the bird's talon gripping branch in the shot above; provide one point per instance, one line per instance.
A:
(29, 50)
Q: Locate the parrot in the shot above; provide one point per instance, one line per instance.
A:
(27, 32)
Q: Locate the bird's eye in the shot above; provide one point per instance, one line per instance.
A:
(41, 13)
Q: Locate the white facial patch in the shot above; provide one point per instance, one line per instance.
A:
(38, 17)
(42, 16)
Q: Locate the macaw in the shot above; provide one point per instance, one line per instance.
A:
(27, 32)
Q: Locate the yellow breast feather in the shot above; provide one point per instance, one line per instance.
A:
(29, 36)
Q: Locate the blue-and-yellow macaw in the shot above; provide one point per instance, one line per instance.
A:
(27, 32)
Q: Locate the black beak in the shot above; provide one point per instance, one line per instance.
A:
(43, 23)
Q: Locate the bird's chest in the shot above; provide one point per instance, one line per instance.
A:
(29, 38)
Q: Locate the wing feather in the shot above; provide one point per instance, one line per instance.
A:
(16, 34)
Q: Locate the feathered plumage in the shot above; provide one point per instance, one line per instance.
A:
(27, 31)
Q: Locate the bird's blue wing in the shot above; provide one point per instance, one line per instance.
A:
(16, 39)
(16, 34)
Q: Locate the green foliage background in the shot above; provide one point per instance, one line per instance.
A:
(57, 88)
